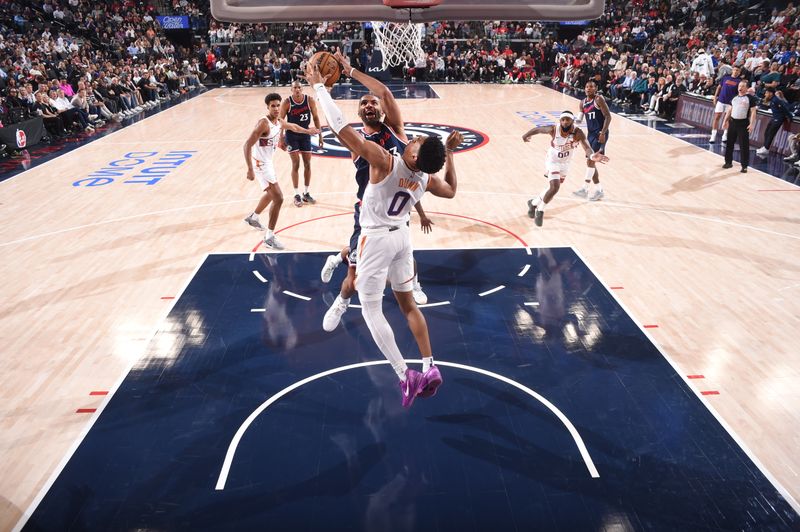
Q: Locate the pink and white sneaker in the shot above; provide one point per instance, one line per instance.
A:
(431, 380)
(411, 387)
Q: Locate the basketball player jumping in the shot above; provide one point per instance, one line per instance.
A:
(564, 139)
(383, 124)
(595, 109)
(264, 138)
(301, 110)
(396, 183)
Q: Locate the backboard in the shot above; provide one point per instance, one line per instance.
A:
(360, 10)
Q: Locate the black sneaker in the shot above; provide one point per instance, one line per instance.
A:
(727, 165)
(531, 209)
(297, 201)
(744, 169)
(539, 218)
(791, 159)
(308, 199)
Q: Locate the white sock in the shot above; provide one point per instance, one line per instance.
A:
(305, 190)
(383, 335)
(268, 234)
(713, 132)
(296, 191)
(427, 362)
(589, 175)
(254, 215)
(598, 187)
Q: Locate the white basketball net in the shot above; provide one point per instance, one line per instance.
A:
(399, 42)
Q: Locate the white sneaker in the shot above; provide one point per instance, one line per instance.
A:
(581, 193)
(254, 222)
(725, 137)
(419, 296)
(762, 152)
(597, 195)
(273, 242)
(713, 138)
(331, 263)
(334, 314)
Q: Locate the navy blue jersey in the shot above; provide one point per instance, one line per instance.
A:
(384, 137)
(299, 113)
(595, 119)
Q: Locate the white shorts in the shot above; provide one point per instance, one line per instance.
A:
(382, 255)
(265, 173)
(722, 107)
(556, 171)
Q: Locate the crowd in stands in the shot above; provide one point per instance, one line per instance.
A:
(79, 62)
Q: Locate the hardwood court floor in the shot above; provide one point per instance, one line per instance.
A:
(708, 255)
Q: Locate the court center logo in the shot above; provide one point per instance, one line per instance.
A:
(333, 148)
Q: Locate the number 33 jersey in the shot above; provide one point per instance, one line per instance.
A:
(388, 203)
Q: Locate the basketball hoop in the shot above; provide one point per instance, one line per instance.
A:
(401, 42)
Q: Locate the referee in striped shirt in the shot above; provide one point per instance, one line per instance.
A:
(739, 120)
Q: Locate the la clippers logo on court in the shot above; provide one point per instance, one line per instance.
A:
(472, 138)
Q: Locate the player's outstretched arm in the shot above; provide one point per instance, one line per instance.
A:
(590, 153)
(393, 118)
(378, 158)
(425, 223)
(535, 131)
(261, 127)
(447, 188)
(288, 126)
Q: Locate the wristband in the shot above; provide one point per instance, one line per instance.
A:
(319, 86)
(352, 69)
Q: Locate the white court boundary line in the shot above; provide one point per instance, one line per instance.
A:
(229, 455)
(74, 447)
(739, 441)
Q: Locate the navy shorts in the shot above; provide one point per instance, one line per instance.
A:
(296, 142)
(355, 236)
(594, 141)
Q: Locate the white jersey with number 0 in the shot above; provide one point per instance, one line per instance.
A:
(389, 203)
(561, 148)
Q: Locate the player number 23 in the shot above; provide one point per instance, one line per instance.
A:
(398, 203)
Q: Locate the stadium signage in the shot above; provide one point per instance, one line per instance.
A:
(174, 23)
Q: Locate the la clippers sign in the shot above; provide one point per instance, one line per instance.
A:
(333, 148)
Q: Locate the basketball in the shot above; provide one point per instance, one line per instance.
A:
(328, 66)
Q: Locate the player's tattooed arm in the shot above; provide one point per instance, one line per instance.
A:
(537, 130)
(601, 103)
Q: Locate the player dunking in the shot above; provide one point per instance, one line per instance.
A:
(299, 109)
(396, 183)
(258, 150)
(388, 131)
(595, 109)
(564, 139)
